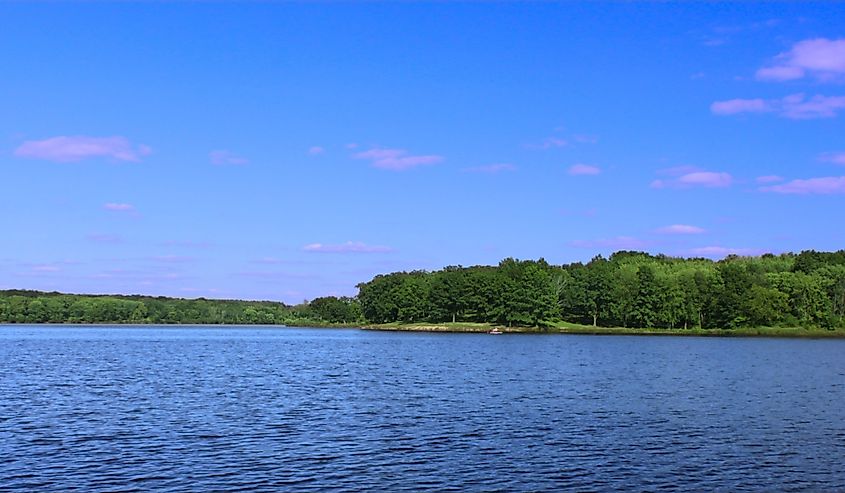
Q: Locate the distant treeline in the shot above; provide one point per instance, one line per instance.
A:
(629, 289)
(38, 307)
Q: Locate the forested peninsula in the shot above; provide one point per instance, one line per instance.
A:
(623, 293)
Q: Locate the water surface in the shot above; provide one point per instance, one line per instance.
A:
(271, 409)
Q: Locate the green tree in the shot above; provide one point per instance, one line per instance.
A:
(447, 294)
(598, 295)
(648, 299)
(766, 306)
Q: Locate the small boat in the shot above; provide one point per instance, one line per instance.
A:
(494, 331)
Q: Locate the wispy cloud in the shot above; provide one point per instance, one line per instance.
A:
(724, 34)
(593, 212)
(713, 41)
(721, 251)
(549, 143)
(827, 185)
(834, 157)
(583, 169)
(104, 238)
(348, 247)
(680, 229)
(314, 261)
(795, 106)
(186, 244)
(154, 280)
(66, 149)
(44, 269)
(678, 170)
(617, 243)
(276, 275)
(821, 58)
(172, 259)
(119, 207)
(491, 168)
(396, 159)
(315, 150)
(141, 277)
(226, 158)
(195, 291)
(769, 179)
(707, 179)
(558, 141)
(46, 272)
(780, 73)
(798, 107)
(736, 106)
(269, 261)
(585, 139)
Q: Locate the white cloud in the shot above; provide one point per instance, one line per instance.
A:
(821, 58)
(681, 229)
(396, 159)
(348, 247)
(226, 158)
(795, 106)
(583, 169)
(65, 149)
(119, 207)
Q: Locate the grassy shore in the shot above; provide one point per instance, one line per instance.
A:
(560, 328)
(569, 328)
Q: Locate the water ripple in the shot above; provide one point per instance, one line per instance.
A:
(229, 409)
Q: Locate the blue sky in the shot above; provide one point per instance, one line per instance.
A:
(286, 151)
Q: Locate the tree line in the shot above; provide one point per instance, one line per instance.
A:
(628, 289)
(18, 306)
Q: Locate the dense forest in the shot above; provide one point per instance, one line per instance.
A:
(39, 307)
(628, 289)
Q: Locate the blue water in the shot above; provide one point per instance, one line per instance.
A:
(274, 409)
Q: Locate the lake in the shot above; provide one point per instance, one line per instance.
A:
(272, 409)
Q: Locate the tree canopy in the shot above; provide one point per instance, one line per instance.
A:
(38, 307)
(628, 289)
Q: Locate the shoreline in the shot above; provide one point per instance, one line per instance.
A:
(458, 328)
(478, 328)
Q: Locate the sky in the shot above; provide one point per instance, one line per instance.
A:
(285, 151)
